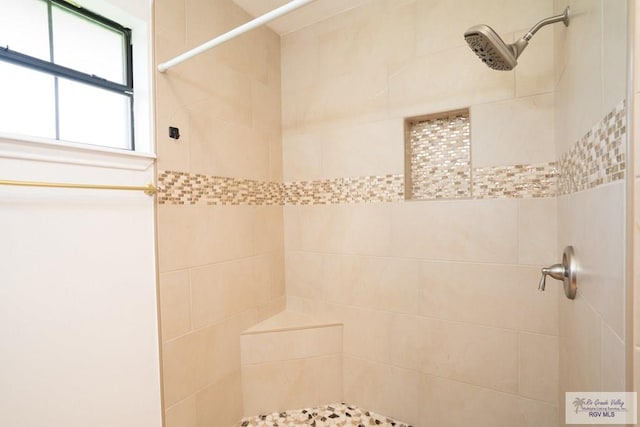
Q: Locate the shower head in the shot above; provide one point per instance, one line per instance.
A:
(490, 48)
(498, 55)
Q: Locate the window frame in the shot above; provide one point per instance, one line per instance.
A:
(60, 71)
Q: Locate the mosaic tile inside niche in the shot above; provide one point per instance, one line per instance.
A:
(334, 415)
(438, 155)
(598, 157)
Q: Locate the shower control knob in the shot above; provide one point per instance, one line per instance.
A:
(557, 271)
(566, 272)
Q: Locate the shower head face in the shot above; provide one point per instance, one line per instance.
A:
(490, 48)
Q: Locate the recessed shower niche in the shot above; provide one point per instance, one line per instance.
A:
(438, 156)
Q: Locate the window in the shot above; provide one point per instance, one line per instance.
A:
(65, 73)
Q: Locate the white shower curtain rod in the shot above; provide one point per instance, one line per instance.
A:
(261, 20)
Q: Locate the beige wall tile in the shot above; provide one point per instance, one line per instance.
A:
(273, 307)
(349, 97)
(182, 414)
(225, 289)
(206, 19)
(172, 154)
(537, 311)
(559, 41)
(328, 380)
(367, 333)
(636, 142)
(300, 61)
(270, 271)
(600, 254)
(579, 90)
(636, 361)
(268, 229)
(210, 294)
(192, 236)
(221, 403)
(535, 70)
(483, 294)
(614, 53)
(290, 345)
(580, 346)
(538, 232)
(266, 109)
(236, 151)
(302, 383)
(434, 33)
(636, 260)
(613, 361)
(459, 351)
(276, 166)
(170, 18)
(267, 54)
(305, 275)
(230, 125)
(449, 403)
(390, 284)
(175, 304)
(375, 387)
(513, 132)
(357, 229)
(200, 359)
(538, 367)
(503, 296)
(179, 367)
(373, 148)
(458, 81)
(292, 227)
(302, 156)
(174, 229)
(464, 230)
(226, 98)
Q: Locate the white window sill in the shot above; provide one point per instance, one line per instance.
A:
(22, 147)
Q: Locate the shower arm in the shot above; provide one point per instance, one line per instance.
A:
(519, 45)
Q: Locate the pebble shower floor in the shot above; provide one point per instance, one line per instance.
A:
(338, 415)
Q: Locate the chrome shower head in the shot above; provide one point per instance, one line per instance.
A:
(490, 48)
(498, 55)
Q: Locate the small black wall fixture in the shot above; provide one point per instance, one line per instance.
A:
(174, 133)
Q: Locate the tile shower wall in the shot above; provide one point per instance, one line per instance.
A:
(591, 84)
(438, 298)
(221, 266)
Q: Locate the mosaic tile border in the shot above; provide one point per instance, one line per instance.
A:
(334, 415)
(597, 158)
(384, 188)
(181, 188)
(517, 181)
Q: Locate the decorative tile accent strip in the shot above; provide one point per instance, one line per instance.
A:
(385, 188)
(338, 415)
(516, 181)
(180, 188)
(598, 157)
(439, 156)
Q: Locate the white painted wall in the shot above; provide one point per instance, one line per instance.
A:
(78, 317)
